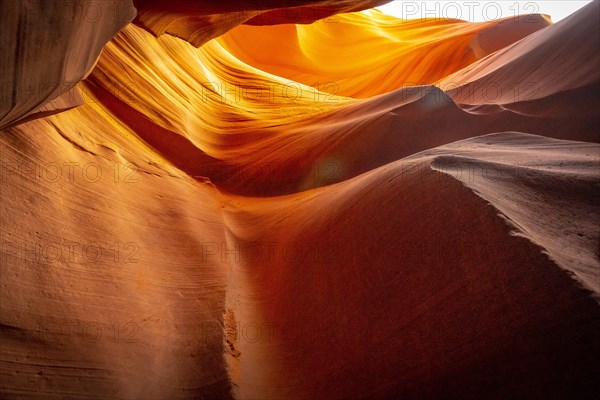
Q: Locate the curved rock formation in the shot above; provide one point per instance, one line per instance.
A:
(48, 47)
(214, 218)
(199, 21)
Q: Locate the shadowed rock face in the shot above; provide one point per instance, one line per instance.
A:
(225, 201)
(48, 47)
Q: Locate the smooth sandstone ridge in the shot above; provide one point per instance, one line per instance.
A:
(297, 200)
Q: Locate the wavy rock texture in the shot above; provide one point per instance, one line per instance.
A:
(408, 53)
(241, 206)
(199, 21)
(48, 47)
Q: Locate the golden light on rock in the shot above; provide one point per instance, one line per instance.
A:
(296, 200)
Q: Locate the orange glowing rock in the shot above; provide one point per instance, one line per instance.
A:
(302, 211)
(200, 20)
(365, 54)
